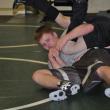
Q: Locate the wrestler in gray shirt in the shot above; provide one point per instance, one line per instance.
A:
(72, 57)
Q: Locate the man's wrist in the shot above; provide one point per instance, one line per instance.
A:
(68, 38)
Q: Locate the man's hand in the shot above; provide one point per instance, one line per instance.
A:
(53, 56)
(53, 53)
(62, 42)
(55, 59)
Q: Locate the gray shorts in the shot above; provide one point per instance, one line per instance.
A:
(67, 73)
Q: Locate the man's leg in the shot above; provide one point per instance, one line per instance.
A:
(45, 79)
(44, 6)
(95, 61)
(52, 13)
(79, 13)
(69, 85)
(91, 79)
(66, 80)
(104, 73)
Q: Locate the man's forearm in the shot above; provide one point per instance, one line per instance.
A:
(56, 62)
(60, 61)
(62, 20)
(55, 65)
(80, 30)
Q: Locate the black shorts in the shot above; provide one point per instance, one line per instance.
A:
(90, 57)
(79, 13)
(100, 37)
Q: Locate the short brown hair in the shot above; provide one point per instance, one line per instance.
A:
(41, 30)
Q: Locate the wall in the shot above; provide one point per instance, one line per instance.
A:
(98, 5)
(6, 7)
(94, 6)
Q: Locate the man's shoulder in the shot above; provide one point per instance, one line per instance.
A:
(68, 45)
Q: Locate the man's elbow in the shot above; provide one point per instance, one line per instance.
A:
(90, 28)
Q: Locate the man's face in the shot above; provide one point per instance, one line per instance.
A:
(48, 40)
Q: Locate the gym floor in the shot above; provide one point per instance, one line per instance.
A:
(20, 56)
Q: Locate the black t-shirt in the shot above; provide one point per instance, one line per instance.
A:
(100, 37)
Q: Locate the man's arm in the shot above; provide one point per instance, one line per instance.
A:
(62, 20)
(55, 63)
(80, 30)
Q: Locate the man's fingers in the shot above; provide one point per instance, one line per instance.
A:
(53, 54)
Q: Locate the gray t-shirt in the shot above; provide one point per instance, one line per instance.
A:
(69, 59)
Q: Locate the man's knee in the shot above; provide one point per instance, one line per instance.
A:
(104, 72)
(39, 74)
(36, 75)
(100, 71)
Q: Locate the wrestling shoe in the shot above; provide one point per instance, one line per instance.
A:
(107, 91)
(66, 88)
(91, 79)
(57, 95)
